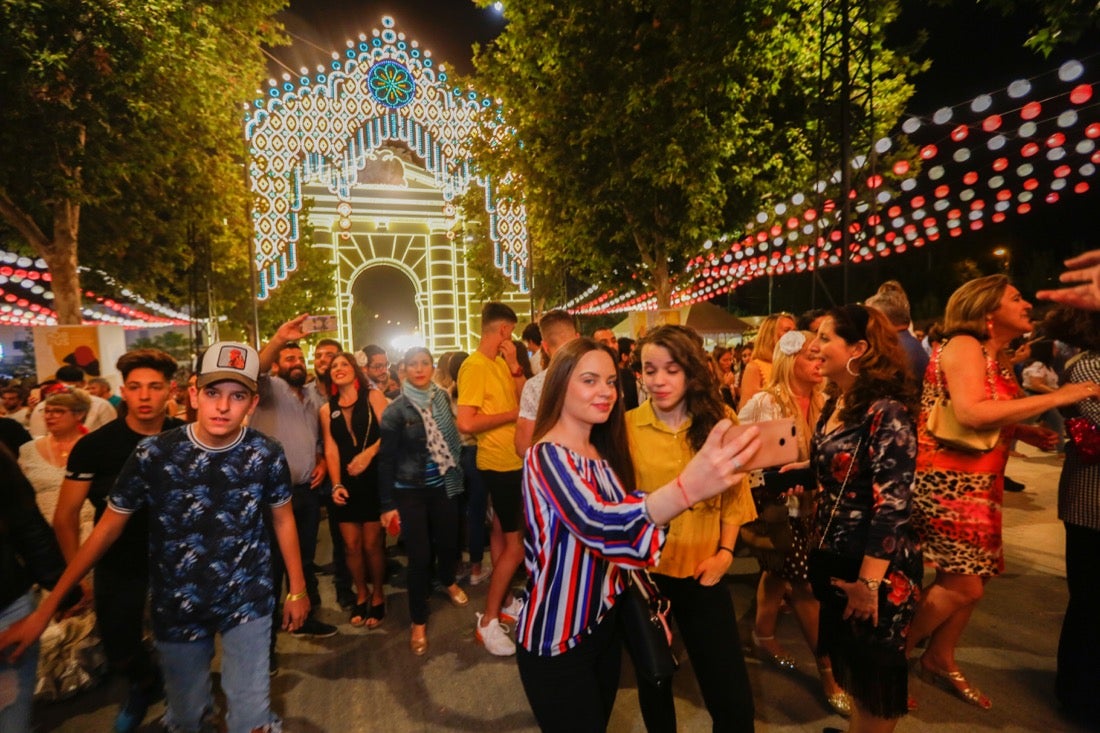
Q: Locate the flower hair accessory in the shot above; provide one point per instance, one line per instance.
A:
(792, 342)
(361, 359)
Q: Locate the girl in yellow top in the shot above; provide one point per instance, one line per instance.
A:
(665, 432)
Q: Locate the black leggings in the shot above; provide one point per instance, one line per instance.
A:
(705, 618)
(429, 524)
(574, 692)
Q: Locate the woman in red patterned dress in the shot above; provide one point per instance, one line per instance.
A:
(958, 494)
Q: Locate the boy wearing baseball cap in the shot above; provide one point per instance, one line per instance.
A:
(205, 485)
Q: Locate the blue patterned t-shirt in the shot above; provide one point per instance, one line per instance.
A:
(209, 552)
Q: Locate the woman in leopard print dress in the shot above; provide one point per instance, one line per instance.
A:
(957, 495)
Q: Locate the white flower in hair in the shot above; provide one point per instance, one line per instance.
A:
(361, 359)
(792, 342)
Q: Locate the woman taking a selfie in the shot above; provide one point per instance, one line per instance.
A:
(666, 431)
(586, 526)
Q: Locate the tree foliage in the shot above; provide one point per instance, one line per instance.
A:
(1060, 22)
(121, 132)
(642, 129)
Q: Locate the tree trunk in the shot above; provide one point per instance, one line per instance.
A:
(60, 256)
(662, 285)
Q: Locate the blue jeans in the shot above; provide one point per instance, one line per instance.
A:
(17, 680)
(245, 680)
(477, 501)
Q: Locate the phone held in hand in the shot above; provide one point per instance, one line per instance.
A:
(778, 443)
(314, 324)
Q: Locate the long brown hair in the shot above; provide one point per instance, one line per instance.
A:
(702, 395)
(883, 368)
(609, 438)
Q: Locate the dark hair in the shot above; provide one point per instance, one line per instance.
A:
(154, 359)
(372, 350)
(69, 373)
(702, 395)
(329, 342)
(803, 322)
(289, 345)
(609, 438)
(361, 379)
(624, 344)
(455, 363)
(556, 316)
(1074, 326)
(524, 359)
(414, 350)
(1043, 351)
(493, 312)
(883, 368)
(531, 333)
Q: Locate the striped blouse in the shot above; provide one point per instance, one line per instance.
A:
(581, 525)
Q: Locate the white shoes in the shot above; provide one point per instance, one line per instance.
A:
(510, 613)
(495, 638)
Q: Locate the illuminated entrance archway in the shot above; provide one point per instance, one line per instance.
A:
(381, 143)
(385, 306)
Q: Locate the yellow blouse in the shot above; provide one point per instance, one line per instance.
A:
(660, 454)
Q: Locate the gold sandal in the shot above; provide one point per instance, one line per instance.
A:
(955, 682)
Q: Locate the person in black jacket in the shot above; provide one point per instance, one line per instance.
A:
(419, 478)
(29, 554)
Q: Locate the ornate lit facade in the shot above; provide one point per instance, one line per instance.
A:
(380, 142)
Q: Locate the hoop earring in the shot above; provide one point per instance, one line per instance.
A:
(848, 367)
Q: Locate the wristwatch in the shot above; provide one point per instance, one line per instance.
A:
(873, 583)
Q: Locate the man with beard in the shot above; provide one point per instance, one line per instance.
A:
(288, 412)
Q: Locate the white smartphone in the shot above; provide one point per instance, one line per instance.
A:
(313, 324)
(778, 442)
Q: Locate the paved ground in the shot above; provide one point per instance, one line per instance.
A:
(367, 681)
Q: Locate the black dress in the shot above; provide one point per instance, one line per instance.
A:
(363, 504)
(871, 518)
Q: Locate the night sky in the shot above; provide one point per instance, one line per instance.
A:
(973, 50)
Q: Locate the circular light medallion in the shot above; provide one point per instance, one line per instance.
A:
(391, 84)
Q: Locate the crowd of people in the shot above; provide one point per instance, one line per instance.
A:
(591, 469)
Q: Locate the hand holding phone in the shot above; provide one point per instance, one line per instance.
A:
(778, 443)
(314, 324)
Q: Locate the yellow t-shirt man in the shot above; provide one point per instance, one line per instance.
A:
(488, 385)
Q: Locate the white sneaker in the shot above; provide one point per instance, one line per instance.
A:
(494, 638)
(480, 577)
(510, 613)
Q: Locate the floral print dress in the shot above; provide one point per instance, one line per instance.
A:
(872, 518)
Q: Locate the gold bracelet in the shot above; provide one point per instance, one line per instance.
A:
(290, 597)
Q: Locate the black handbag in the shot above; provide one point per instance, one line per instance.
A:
(643, 614)
(823, 565)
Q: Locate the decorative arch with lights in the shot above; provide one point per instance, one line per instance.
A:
(323, 127)
(977, 164)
